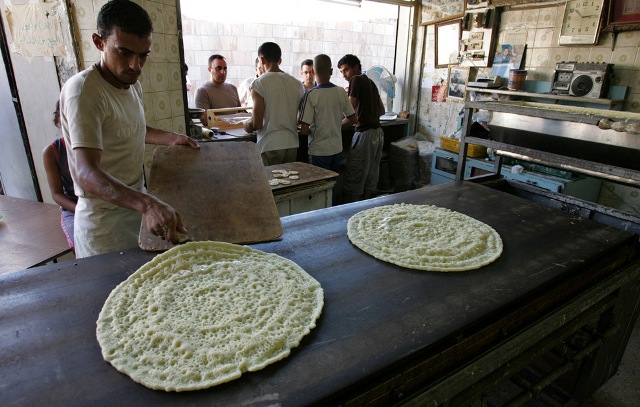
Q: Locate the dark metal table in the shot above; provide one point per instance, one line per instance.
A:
(383, 327)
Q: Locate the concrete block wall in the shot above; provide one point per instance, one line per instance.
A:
(372, 41)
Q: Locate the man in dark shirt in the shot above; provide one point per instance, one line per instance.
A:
(360, 178)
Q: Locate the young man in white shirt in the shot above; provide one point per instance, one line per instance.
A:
(277, 125)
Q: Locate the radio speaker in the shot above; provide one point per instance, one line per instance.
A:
(590, 80)
(581, 85)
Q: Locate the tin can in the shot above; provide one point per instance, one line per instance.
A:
(516, 79)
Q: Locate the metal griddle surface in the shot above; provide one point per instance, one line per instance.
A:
(375, 314)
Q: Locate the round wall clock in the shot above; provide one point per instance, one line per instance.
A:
(581, 22)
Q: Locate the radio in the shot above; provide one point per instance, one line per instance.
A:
(584, 79)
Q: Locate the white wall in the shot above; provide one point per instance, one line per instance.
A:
(38, 89)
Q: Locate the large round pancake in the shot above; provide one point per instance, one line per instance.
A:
(424, 237)
(203, 313)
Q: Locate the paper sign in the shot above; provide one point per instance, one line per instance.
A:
(36, 29)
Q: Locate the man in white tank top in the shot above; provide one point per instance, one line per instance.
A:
(276, 98)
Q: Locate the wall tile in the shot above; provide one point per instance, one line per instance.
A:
(510, 18)
(158, 81)
(170, 17)
(172, 48)
(161, 106)
(580, 54)
(174, 76)
(624, 57)
(90, 53)
(530, 18)
(144, 77)
(548, 17)
(600, 54)
(539, 58)
(158, 48)
(148, 101)
(179, 125)
(164, 124)
(540, 74)
(557, 55)
(628, 39)
(176, 102)
(544, 38)
(155, 12)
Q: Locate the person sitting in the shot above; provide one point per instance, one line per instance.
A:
(244, 90)
(216, 93)
(307, 73)
(59, 179)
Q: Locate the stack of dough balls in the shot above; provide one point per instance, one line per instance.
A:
(424, 237)
(203, 313)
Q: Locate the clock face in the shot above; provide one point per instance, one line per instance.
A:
(581, 22)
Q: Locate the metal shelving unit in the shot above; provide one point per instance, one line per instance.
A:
(537, 126)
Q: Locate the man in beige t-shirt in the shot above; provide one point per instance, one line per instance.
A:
(105, 131)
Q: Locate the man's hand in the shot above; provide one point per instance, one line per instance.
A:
(184, 140)
(162, 220)
(168, 138)
(248, 126)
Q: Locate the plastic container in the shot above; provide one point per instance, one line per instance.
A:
(516, 79)
(453, 145)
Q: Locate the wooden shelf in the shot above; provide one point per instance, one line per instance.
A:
(548, 96)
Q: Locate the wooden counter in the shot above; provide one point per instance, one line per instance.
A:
(313, 190)
(30, 234)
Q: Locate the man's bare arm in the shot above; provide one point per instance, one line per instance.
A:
(257, 116)
(161, 218)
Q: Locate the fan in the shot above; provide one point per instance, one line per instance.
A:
(385, 81)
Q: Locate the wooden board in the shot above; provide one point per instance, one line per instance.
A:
(308, 173)
(30, 234)
(220, 191)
